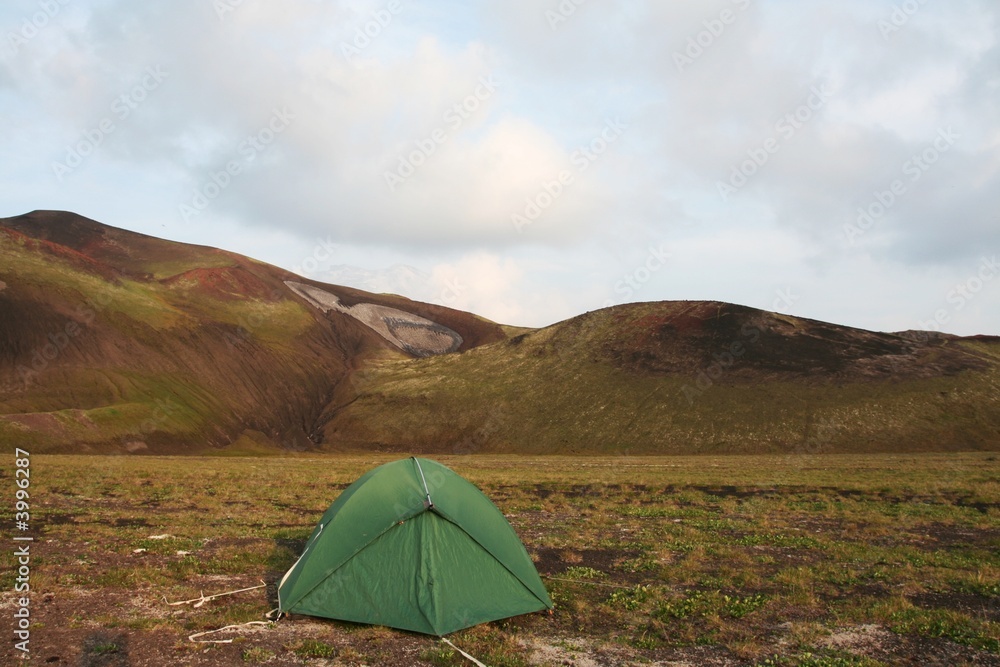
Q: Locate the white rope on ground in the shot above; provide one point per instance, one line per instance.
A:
(222, 641)
(464, 654)
(203, 599)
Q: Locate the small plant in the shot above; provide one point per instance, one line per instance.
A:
(580, 572)
(105, 648)
(738, 607)
(641, 564)
(438, 656)
(645, 640)
(257, 654)
(950, 625)
(630, 598)
(311, 648)
(778, 540)
(978, 585)
(700, 603)
(645, 511)
(808, 659)
(493, 646)
(686, 606)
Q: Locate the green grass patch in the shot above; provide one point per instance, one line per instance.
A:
(953, 625)
(311, 648)
(578, 572)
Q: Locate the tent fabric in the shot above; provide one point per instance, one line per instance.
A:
(413, 545)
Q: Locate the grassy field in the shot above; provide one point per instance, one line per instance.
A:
(832, 561)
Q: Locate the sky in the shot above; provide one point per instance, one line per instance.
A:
(532, 160)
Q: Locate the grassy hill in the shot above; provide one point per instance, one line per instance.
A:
(685, 377)
(116, 341)
(112, 341)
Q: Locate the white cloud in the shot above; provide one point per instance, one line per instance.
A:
(557, 84)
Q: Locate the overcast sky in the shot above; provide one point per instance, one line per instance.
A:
(530, 160)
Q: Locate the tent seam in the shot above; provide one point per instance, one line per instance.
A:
(347, 560)
(420, 565)
(495, 557)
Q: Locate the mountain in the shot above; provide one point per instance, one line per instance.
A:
(112, 341)
(117, 341)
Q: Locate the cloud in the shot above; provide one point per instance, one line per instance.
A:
(495, 102)
(484, 283)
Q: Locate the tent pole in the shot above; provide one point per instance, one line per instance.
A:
(430, 503)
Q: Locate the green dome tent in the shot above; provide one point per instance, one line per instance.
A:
(412, 545)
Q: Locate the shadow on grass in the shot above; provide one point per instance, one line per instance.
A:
(286, 551)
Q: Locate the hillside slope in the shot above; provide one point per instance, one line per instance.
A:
(686, 377)
(116, 341)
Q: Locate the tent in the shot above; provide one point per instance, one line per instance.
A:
(413, 545)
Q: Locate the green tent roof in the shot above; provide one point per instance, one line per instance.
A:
(413, 545)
